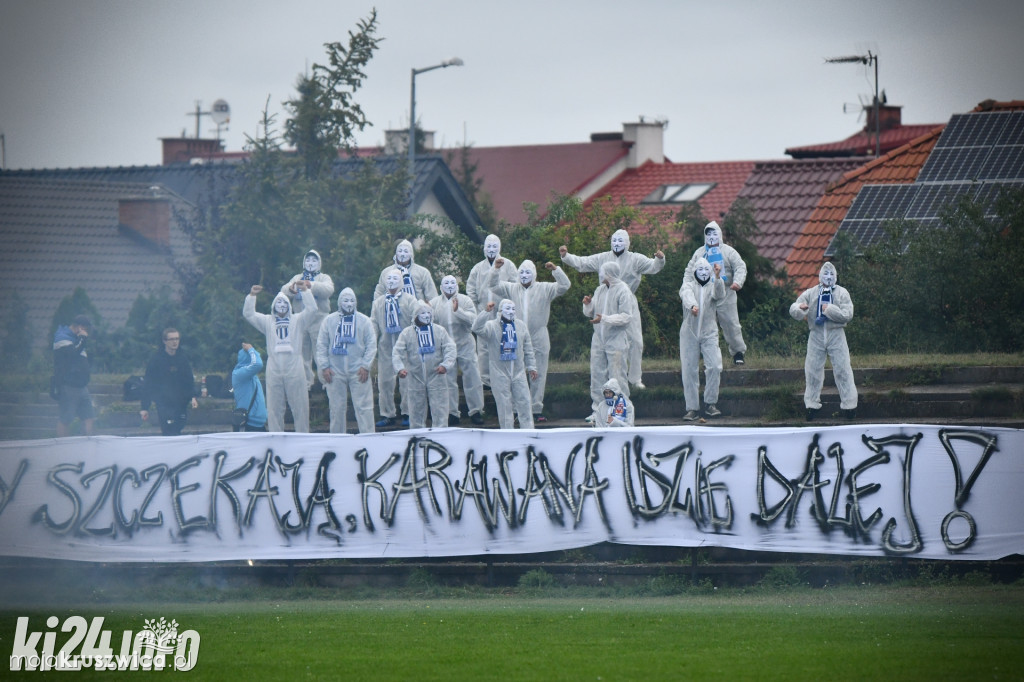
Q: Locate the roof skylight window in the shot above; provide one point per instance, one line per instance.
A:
(679, 194)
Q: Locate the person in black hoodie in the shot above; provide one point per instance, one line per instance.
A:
(72, 372)
(169, 383)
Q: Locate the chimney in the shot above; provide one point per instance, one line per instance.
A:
(396, 142)
(148, 217)
(889, 116)
(184, 149)
(647, 142)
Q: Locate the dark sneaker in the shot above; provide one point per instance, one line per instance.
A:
(850, 414)
(738, 359)
(453, 420)
(811, 413)
(476, 418)
(712, 411)
(386, 421)
(539, 418)
(405, 420)
(690, 416)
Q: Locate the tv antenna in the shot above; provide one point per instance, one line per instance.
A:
(870, 59)
(220, 114)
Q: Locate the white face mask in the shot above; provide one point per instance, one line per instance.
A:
(393, 281)
(281, 307)
(311, 264)
(619, 243)
(403, 254)
(424, 317)
(526, 276)
(508, 311)
(347, 303)
(449, 286)
(827, 277)
(703, 272)
(492, 248)
(712, 238)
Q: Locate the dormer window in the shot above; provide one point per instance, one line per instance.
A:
(678, 194)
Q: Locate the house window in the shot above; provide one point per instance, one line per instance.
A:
(678, 194)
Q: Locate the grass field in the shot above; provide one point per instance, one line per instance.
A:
(943, 632)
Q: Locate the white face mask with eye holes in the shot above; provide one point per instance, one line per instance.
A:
(508, 311)
(424, 317)
(492, 247)
(393, 281)
(347, 303)
(449, 286)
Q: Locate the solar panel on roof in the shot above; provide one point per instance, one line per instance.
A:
(1013, 131)
(973, 130)
(932, 199)
(956, 163)
(1004, 163)
(878, 202)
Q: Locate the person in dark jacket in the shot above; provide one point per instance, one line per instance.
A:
(72, 372)
(169, 383)
(247, 388)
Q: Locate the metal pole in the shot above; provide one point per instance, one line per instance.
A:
(412, 121)
(878, 123)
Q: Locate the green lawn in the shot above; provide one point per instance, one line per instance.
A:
(949, 632)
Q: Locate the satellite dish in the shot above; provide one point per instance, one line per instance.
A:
(220, 112)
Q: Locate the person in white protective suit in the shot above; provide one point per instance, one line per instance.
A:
(510, 349)
(456, 313)
(322, 290)
(632, 266)
(391, 313)
(416, 279)
(611, 310)
(284, 331)
(477, 288)
(533, 306)
(424, 355)
(827, 308)
(734, 274)
(617, 410)
(345, 350)
(698, 335)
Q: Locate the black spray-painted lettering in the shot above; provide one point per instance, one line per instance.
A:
(988, 443)
(914, 544)
(7, 491)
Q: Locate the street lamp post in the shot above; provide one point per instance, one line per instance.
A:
(454, 61)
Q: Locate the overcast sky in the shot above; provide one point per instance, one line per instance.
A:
(98, 82)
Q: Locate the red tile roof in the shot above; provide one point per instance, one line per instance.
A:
(900, 166)
(863, 142)
(783, 195)
(535, 173)
(635, 185)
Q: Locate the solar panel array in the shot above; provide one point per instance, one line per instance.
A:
(977, 156)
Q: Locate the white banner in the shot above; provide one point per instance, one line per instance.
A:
(867, 490)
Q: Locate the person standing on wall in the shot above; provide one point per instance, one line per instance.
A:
(170, 385)
(72, 372)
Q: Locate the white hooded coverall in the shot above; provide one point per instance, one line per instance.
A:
(509, 365)
(286, 378)
(322, 290)
(826, 338)
(698, 335)
(616, 305)
(632, 266)
(618, 412)
(734, 271)
(459, 325)
(347, 343)
(416, 279)
(533, 306)
(420, 349)
(477, 288)
(387, 375)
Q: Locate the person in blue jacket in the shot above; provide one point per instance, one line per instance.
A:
(245, 382)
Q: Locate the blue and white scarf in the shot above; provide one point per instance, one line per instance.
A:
(824, 296)
(345, 335)
(392, 315)
(407, 283)
(425, 338)
(509, 340)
